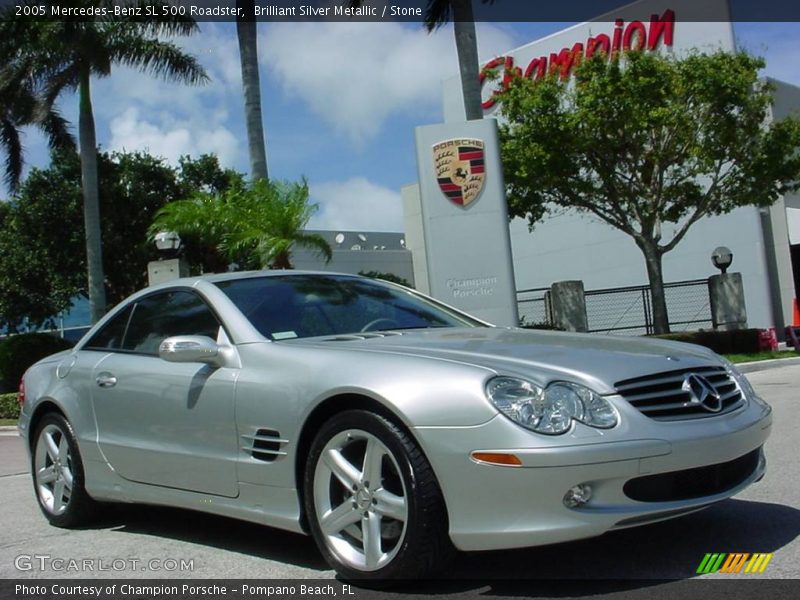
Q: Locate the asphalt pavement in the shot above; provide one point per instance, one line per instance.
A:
(150, 542)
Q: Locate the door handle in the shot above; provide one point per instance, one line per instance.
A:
(106, 380)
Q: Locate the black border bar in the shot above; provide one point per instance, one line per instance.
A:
(413, 11)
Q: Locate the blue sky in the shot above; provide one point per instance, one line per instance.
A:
(340, 102)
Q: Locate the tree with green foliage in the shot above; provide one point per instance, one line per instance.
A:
(391, 277)
(649, 144)
(255, 226)
(64, 55)
(42, 255)
(19, 352)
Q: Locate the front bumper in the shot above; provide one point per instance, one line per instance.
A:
(496, 507)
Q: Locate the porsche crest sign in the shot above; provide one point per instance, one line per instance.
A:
(460, 169)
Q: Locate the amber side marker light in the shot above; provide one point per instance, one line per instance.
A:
(497, 458)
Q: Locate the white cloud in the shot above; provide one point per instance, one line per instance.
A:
(169, 119)
(169, 138)
(355, 75)
(777, 43)
(356, 204)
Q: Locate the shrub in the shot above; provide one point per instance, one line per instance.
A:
(740, 341)
(539, 325)
(19, 352)
(386, 277)
(9, 407)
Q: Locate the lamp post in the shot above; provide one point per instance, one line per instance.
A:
(722, 257)
(726, 293)
(171, 265)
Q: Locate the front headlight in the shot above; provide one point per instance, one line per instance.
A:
(550, 410)
(744, 385)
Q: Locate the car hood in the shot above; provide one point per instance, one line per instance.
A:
(542, 356)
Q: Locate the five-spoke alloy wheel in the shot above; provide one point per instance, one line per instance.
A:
(374, 506)
(58, 473)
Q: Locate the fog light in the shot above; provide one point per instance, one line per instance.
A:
(578, 495)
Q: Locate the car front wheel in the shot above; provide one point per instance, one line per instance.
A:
(58, 478)
(374, 506)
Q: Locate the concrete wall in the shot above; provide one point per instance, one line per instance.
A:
(357, 252)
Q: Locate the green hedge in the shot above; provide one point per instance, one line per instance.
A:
(19, 352)
(741, 341)
(9, 407)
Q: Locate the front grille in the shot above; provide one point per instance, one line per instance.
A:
(693, 483)
(661, 396)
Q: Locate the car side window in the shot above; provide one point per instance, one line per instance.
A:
(160, 316)
(111, 335)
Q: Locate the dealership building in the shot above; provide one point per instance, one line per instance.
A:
(574, 246)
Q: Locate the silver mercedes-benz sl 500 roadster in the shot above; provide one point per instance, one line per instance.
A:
(392, 428)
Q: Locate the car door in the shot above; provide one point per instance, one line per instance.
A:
(163, 423)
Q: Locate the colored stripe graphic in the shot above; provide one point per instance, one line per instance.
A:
(758, 563)
(711, 563)
(723, 562)
(735, 562)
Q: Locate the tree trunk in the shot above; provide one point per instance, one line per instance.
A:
(282, 261)
(91, 202)
(467, 49)
(251, 85)
(655, 275)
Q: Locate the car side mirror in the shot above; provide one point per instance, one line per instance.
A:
(191, 348)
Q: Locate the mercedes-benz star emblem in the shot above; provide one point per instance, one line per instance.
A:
(702, 392)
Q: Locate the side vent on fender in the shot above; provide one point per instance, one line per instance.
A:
(265, 445)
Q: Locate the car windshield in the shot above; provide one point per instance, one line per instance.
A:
(302, 305)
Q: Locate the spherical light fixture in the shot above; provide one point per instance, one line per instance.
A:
(722, 257)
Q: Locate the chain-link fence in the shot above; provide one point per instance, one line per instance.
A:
(628, 310)
(533, 308)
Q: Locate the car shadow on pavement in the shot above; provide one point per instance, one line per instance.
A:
(624, 560)
(617, 561)
(213, 531)
(666, 550)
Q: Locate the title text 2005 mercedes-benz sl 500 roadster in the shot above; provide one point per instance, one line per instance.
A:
(392, 428)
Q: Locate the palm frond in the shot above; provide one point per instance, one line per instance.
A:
(158, 58)
(166, 24)
(66, 78)
(56, 128)
(12, 147)
(438, 12)
(316, 242)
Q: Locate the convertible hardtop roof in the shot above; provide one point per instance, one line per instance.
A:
(215, 277)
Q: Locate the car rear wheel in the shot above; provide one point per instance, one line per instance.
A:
(58, 477)
(374, 506)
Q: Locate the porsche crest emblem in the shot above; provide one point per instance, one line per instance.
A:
(459, 168)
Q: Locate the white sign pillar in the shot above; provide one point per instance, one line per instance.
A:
(465, 219)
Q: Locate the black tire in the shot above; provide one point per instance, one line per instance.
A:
(411, 548)
(63, 501)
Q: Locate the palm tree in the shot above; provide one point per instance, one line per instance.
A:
(256, 225)
(251, 87)
(65, 55)
(437, 14)
(21, 106)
